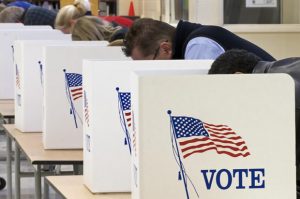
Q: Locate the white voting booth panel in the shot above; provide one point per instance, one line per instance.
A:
(107, 118)
(36, 27)
(11, 25)
(7, 37)
(62, 125)
(222, 136)
(28, 65)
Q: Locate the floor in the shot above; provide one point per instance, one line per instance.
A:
(27, 184)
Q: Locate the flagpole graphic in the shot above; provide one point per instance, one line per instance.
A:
(73, 84)
(124, 106)
(41, 71)
(182, 171)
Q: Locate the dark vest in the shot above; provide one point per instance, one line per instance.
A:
(187, 31)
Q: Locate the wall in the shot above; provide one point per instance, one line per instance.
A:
(280, 40)
(291, 11)
(206, 11)
(123, 7)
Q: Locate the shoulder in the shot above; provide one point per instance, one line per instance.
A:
(203, 48)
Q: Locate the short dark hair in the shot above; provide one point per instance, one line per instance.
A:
(233, 61)
(146, 34)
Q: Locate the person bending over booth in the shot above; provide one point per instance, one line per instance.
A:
(34, 15)
(152, 39)
(241, 61)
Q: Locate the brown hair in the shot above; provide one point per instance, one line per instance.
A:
(12, 14)
(90, 28)
(146, 34)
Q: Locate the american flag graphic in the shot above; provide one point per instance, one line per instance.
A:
(86, 109)
(74, 82)
(195, 136)
(17, 78)
(125, 100)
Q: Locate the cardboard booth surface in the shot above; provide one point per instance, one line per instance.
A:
(11, 25)
(62, 125)
(108, 118)
(28, 85)
(33, 27)
(222, 136)
(7, 37)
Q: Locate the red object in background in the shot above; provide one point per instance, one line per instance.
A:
(123, 21)
(131, 9)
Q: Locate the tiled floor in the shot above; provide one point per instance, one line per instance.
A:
(27, 184)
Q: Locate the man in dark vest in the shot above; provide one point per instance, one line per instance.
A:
(241, 61)
(152, 39)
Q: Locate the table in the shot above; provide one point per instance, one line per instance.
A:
(7, 109)
(32, 146)
(71, 187)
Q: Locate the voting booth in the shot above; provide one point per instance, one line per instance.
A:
(108, 141)
(28, 73)
(7, 37)
(37, 27)
(62, 121)
(214, 136)
(11, 25)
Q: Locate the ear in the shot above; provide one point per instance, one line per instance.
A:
(166, 48)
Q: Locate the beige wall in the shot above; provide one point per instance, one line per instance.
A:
(150, 8)
(281, 40)
(290, 11)
(123, 7)
(206, 11)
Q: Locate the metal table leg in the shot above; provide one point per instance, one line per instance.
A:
(8, 166)
(78, 169)
(46, 189)
(38, 186)
(17, 171)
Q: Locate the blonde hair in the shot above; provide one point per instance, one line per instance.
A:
(90, 28)
(68, 13)
(12, 14)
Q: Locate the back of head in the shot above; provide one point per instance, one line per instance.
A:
(11, 14)
(36, 15)
(146, 34)
(90, 28)
(234, 61)
(68, 13)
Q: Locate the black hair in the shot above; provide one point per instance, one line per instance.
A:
(233, 61)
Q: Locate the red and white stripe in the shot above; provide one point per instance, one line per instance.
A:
(86, 115)
(18, 81)
(128, 117)
(76, 92)
(222, 139)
